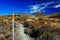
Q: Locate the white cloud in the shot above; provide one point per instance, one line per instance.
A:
(36, 7)
(46, 5)
(33, 11)
(57, 6)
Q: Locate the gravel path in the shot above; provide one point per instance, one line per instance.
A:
(20, 35)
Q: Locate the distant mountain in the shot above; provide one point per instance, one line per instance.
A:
(18, 13)
(55, 15)
(39, 13)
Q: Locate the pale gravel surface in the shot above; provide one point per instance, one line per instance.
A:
(20, 35)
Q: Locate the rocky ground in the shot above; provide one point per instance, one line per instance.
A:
(37, 28)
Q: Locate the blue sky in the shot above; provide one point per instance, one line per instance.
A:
(29, 6)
